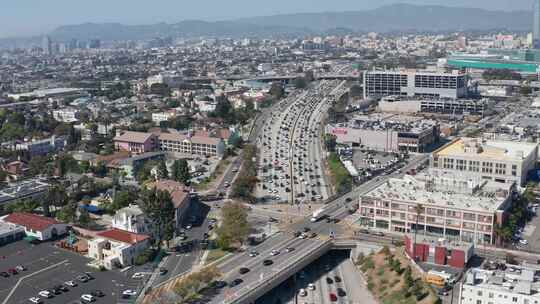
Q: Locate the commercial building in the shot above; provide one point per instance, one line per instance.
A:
(157, 118)
(388, 132)
(414, 83)
(117, 248)
(27, 189)
(10, 233)
(396, 104)
(452, 206)
(49, 93)
(514, 284)
(66, 115)
(135, 142)
(438, 251)
(500, 161)
(187, 144)
(36, 226)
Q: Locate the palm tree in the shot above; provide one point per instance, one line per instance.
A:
(418, 208)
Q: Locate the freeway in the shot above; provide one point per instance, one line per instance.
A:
(259, 275)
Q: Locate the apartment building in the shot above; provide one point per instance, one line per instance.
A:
(415, 83)
(186, 144)
(43, 146)
(66, 115)
(499, 161)
(512, 285)
(448, 205)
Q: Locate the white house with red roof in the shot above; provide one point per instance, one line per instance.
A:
(41, 227)
(117, 248)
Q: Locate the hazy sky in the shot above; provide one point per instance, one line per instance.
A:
(31, 17)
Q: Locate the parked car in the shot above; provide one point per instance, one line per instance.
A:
(35, 300)
(97, 293)
(243, 270)
(70, 283)
(46, 294)
(88, 298)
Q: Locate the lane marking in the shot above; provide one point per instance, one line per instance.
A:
(29, 275)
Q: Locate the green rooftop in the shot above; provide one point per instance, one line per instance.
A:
(485, 65)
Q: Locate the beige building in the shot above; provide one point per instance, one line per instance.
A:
(117, 248)
(197, 145)
(452, 206)
(499, 161)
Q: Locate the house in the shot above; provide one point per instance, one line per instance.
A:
(135, 142)
(117, 248)
(131, 219)
(129, 165)
(37, 226)
(179, 195)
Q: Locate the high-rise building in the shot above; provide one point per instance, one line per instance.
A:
(536, 24)
(46, 45)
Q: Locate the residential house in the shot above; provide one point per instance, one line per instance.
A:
(131, 219)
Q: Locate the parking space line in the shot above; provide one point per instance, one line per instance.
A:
(29, 275)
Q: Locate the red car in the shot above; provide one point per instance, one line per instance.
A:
(13, 271)
(333, 297)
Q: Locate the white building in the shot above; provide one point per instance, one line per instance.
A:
(415, 83)
(66, 115)
(40, 227)
(515, 285)
(157, 118)
(131, 219)
(117, 248)
(500, 161)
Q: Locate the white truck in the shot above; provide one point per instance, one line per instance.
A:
(317, 215)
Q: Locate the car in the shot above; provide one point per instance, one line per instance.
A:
(163, 271)
(236, 282)
(4, 274)
(137, 275)
(329, 280)
(46, 294)
(63, 288)
(253, 253)
(55, 290)
(188, 227)
(289, 249)
(348, 199)
(307, 229)
(129, 292)
(337, 279)
(83, 278)
(97, 293)
(218, 284)
(302, 292)
(88, 298)
(35, 300)
(341, 293)
(20, 268)
(274, 252)
(70, 283)
(297, 234)
(312, 235)
(303, 236)
(524, 242)
(311, 286)
(268, 262)
(13, 271)
(243, 270)
(333, 297)
(442, 292)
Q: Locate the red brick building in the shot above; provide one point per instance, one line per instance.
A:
(438, 251)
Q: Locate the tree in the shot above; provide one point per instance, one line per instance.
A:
(68, 213)
(121, 199)
(180, 171)
(162, 171)
(277, 90)
(84, 218)
(56, 196)
(158, 206)
(234, 227)
(300, 83)
(418, 209)
(330, 142)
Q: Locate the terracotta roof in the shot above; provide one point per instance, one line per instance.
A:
(123, 236)
(136, 137)
(178, 191)
(31, 221)
(223, 133)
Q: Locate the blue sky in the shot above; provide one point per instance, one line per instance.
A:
(32, 17)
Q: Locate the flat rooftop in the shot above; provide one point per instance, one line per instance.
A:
(488, 149)
(444, 191)
(515, 279)
(9, 228)
(22, 189)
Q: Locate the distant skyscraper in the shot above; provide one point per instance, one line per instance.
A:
(536, 24)
(46, 45)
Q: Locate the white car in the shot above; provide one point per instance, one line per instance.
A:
(129, 292)
(45, 293)
(137, 275)
(87, 297)
(70, 283)
(523, 242)
(311, 286)
(302, 292)
(274, 252)
(35, 300)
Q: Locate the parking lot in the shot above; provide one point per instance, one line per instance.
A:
(48, 266)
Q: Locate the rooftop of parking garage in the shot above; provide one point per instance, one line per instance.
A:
(488, 149)
(448, 191)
